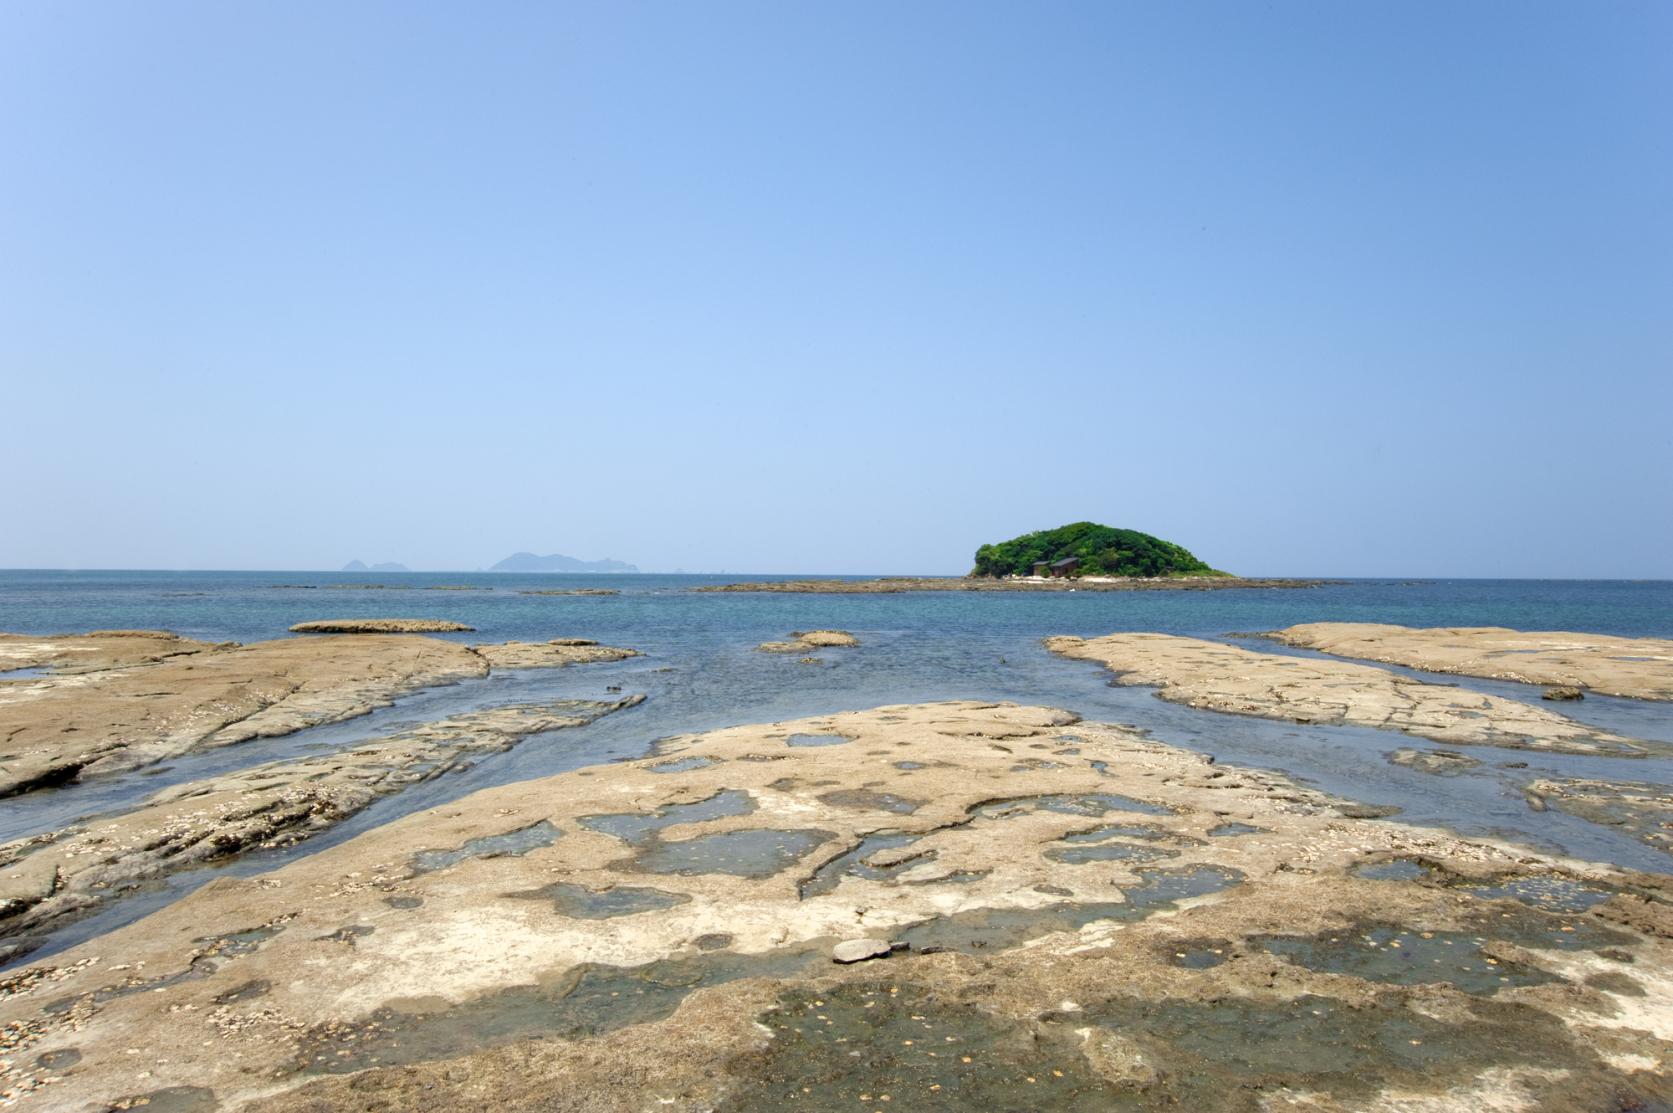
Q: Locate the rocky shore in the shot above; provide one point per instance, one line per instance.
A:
(888, 585)
(51, 878)
(157, 697)
(1217, 677)
(1640, 668)
(380, 626)
(1064, 915)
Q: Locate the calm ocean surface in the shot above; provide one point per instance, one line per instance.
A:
(701, 671)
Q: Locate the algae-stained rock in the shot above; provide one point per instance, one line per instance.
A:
(380, 626)
(1227, 678)
(1563, 693)
(1641, 668)
(503, 973)
(1444, 763)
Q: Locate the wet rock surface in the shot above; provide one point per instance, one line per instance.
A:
(1216, 677)
(1645, 811)
(158, 702)
(1641, 668)
(48, 879)
(505, 974)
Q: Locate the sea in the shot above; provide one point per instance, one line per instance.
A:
(700, 671)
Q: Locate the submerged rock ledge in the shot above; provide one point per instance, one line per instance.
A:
(381, 626)
(1091, 920)
(888, 585)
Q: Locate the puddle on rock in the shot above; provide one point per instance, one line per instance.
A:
(585, 1001)
(817, 739)
(510, 844)
(173, 1099)
(640, 827)
(1196, 954)
(1399, 869)
(1116, 831)
(58, 1060)
(994, 929)
(869, 799)
(1238, 1052)
(1227, 830)
(908, 766)
(1108, 852)
(1397, 956)
(581, 903)
(852, 863)
(867, 1046)
(1550, 893)
(681, 765)
(756, 853)
(1092, 804)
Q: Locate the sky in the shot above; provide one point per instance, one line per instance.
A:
(1309, 288)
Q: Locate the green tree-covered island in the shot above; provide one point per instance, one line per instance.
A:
(1088, 549)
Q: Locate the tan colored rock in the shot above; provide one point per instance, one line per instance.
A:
(47, 879)
(807, 640)
(858, 950)
(1219, 677)
(380, 626)
(55, 729)
(550, 655)
(456, 959)
(61, 728)
(102, 649)
(1641, 668)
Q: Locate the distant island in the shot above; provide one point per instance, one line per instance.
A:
(557, 562)
(385, 566)
(1088, 549)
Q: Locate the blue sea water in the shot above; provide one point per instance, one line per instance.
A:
(701, 671)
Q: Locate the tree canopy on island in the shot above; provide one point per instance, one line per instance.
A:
(1101, 550)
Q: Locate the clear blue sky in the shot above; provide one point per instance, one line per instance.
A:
(1336, 288)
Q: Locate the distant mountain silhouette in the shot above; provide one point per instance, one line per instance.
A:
(557, 562)
(386, 566)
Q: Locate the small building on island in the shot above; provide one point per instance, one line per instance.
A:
(1064, 567)
(1040, 568)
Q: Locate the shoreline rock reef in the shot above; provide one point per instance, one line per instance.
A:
(51, 878)
(1636, 668)
(381, 626)
(1217, 677)
(152, 703)
(939, 906)
(807, 641)
(889, 585)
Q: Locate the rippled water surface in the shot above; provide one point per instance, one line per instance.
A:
(701, 671)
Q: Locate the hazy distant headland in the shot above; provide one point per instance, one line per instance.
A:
(384, 566)
(557, 562)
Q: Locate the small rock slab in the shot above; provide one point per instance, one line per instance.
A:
(380, 626)
(859, 950)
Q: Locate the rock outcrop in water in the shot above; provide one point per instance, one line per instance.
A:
(57, 728)
(1641, 668)
(1091, 920)
(102, 649)
(1218, 677)
(381, 626)
(806, 641)
(47, 879)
